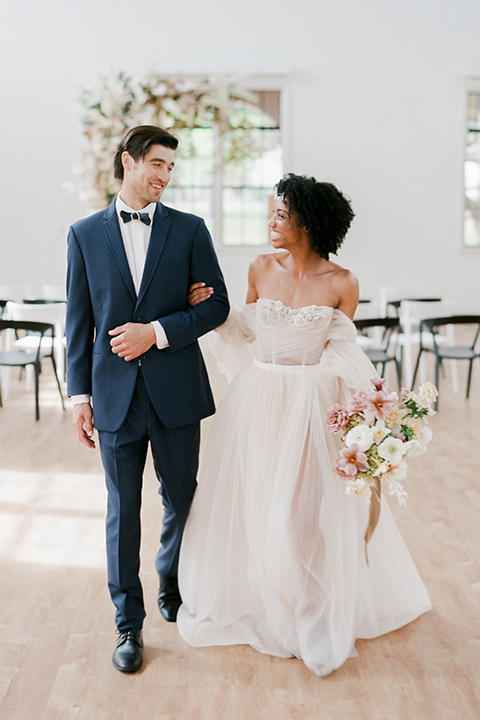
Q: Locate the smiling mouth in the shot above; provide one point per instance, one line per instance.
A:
(275, 235)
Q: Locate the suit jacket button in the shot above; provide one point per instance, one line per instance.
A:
(139, 319)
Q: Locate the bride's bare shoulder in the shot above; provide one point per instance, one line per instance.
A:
(266, 262)
(344, 278)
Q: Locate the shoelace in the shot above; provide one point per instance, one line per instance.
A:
(130, 634)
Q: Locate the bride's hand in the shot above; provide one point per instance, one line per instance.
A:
(198, 293)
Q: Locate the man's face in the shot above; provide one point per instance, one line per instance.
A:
(145, 179)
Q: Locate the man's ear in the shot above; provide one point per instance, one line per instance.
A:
(127, 160)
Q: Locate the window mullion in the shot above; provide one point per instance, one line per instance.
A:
(217, 210)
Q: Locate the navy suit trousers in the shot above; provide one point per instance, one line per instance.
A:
(175, 456)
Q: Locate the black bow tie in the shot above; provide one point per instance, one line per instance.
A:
(143, 217)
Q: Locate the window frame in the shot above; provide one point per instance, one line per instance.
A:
(255, 83)
(471, 86)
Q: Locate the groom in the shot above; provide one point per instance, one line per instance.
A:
(132, 353)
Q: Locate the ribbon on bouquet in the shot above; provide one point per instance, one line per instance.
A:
(374, 513)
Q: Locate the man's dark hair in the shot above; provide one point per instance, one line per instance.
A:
(324, 212)
(138, 141)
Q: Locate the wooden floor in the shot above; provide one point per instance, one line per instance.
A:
(57, 625)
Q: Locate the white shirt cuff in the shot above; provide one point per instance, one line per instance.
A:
(162, 340)
(77, 399)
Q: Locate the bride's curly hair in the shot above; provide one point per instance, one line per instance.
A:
(320, 208)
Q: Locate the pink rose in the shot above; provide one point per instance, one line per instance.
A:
(337, 418)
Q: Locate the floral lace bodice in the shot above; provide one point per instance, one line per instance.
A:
(291, 336)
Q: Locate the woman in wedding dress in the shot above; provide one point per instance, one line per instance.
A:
(273, 550)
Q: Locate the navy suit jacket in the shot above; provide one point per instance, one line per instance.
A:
(101, 296)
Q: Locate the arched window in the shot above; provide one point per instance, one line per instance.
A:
(228, 177)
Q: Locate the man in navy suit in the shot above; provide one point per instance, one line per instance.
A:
(132, 353)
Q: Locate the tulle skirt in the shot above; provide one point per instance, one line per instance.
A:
(273, 553)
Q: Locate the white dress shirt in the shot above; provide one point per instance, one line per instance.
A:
(136, 237)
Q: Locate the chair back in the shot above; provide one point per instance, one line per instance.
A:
(30, 326)
(386, 325)
(44, 312)
(435, 324)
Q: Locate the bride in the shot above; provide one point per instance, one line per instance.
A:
(273, 550)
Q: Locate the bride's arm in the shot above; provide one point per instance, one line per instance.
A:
(252, 294)
(347, 288)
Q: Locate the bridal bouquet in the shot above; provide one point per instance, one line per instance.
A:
(380, 430)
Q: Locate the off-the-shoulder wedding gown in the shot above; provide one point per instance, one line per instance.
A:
(273, 551)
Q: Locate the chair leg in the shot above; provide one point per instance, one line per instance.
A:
(399, 374)
(58, 381)
(442, 367)
(469, 377)
(416, 368)
(437, 373)
(37, 403)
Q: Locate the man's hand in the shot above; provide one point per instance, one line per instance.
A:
(131, 340)
(82, 421)
(198, 293)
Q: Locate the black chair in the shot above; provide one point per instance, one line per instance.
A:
(386, 329)
(432, 326)
(20, 358)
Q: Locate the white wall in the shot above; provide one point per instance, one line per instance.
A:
(376, 106)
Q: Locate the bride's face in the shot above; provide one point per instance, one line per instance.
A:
(283, 226)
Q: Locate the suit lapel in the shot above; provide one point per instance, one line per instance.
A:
(160, 229)
(115, 242)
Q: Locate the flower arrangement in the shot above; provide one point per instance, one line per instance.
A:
(379, 430)
(112, 104)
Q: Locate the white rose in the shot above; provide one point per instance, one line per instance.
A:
(362, 435)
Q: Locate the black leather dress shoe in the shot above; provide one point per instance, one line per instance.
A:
(128, 655)
(169, 599)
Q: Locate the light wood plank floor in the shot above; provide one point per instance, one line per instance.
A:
(57, 627)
